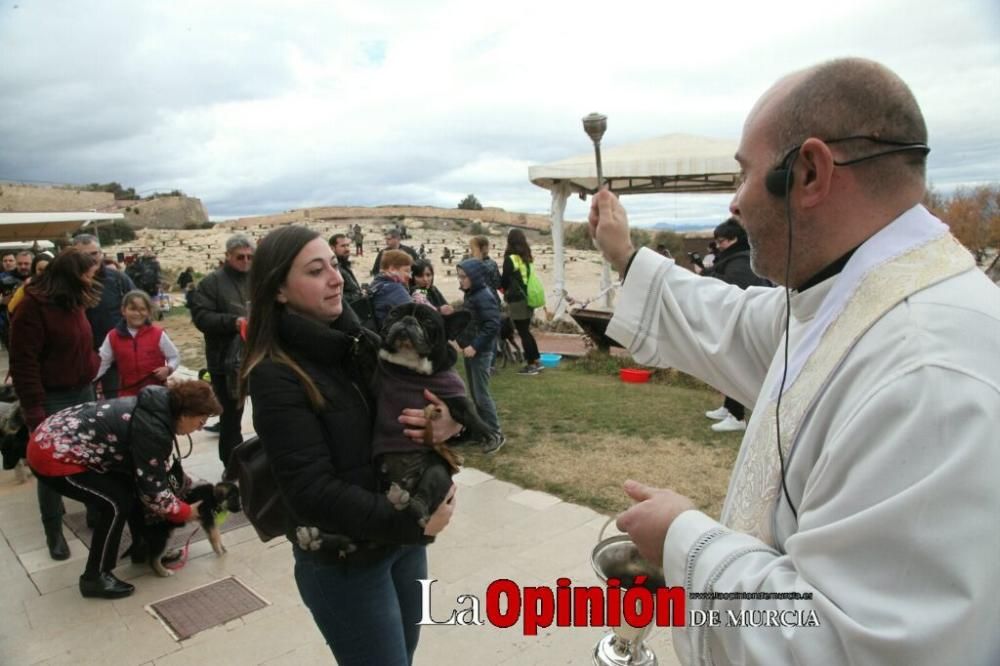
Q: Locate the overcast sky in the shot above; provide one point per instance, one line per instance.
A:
(259, 107)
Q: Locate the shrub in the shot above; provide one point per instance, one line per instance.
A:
(470, 203)
(111, 234)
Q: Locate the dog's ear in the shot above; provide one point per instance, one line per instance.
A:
(456, 322)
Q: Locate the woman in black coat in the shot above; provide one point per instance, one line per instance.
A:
(307, 369)
(731, 265)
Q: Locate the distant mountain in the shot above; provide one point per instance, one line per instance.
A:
(681, 226)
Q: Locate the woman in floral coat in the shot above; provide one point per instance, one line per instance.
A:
(111, 453)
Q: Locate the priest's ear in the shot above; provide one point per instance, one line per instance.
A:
(812, 173)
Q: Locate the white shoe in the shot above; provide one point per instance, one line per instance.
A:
(729, 424)
(718, 414)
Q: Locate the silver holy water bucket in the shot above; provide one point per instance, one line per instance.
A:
(618, 557)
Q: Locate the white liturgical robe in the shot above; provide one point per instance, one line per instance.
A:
(893, 465)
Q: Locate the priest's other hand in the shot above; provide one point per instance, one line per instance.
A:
(608, 225)
(648, 520)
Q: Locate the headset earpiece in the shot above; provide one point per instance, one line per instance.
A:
(778, 181)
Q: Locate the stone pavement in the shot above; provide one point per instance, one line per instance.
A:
(499, 531)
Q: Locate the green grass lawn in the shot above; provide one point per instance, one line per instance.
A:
(578, 431)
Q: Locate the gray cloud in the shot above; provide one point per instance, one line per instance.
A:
(256, 108)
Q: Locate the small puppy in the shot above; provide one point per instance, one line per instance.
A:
(214, 499)
(13, 434)
(416, 355)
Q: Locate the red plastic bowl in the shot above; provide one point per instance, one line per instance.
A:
(635, 375)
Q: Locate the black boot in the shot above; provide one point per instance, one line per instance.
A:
(58, 548)
(104, 586)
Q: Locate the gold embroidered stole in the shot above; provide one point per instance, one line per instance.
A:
(756, 481)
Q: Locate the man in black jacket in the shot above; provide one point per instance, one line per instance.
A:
(392, 242)
(219, 308)
(731, 265)
(341, 246)
(107, 314)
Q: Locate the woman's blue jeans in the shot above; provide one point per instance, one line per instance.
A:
(368, 614)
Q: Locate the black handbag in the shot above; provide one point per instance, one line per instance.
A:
(263, 504)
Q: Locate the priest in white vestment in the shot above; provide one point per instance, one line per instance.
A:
(883, 502)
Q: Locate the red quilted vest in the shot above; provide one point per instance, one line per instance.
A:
(136, 357)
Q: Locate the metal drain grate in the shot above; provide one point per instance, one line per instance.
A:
(205, 607)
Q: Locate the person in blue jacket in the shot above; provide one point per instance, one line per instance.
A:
(479, 342)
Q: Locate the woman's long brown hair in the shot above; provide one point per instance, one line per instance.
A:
(65, 283)
(517, 244)
(271, 262)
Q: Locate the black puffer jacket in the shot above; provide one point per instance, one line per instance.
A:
(220, 299)
(323, 461)
(107, 314)
(732, 265)
(133, 436)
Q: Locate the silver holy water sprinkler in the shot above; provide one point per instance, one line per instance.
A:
(595, 125)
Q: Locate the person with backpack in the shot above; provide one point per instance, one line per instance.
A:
(514, 282)
(391, 286)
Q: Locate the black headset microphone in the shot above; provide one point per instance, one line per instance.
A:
(778, 182)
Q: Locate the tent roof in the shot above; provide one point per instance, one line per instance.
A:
(46, 226)
(670, 163)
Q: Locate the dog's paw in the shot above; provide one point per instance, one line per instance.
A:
(308, 537)
(398, 496)
(161, 570)
(22, 472)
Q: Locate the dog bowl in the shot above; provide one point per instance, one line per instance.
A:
(635, 375)
(550, 360)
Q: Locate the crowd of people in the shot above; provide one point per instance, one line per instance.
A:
(866, 477)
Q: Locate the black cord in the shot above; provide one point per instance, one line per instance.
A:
(788, 320)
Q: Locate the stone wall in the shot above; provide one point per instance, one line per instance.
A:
(165, 213)
(396, 214)
(35, 199)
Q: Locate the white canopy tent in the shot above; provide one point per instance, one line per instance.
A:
(675, 163)
(47, 226)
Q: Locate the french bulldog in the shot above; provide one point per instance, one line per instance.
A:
(416, 355)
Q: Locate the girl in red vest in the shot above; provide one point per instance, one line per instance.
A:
(141, 349)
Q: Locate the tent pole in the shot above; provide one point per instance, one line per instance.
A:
(560, 194)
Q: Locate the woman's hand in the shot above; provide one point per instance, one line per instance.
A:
(469, 352)
(442, 515)
(162, 373)
(443, 427)
(446, 309)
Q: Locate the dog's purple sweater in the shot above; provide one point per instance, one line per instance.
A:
(401, 388)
